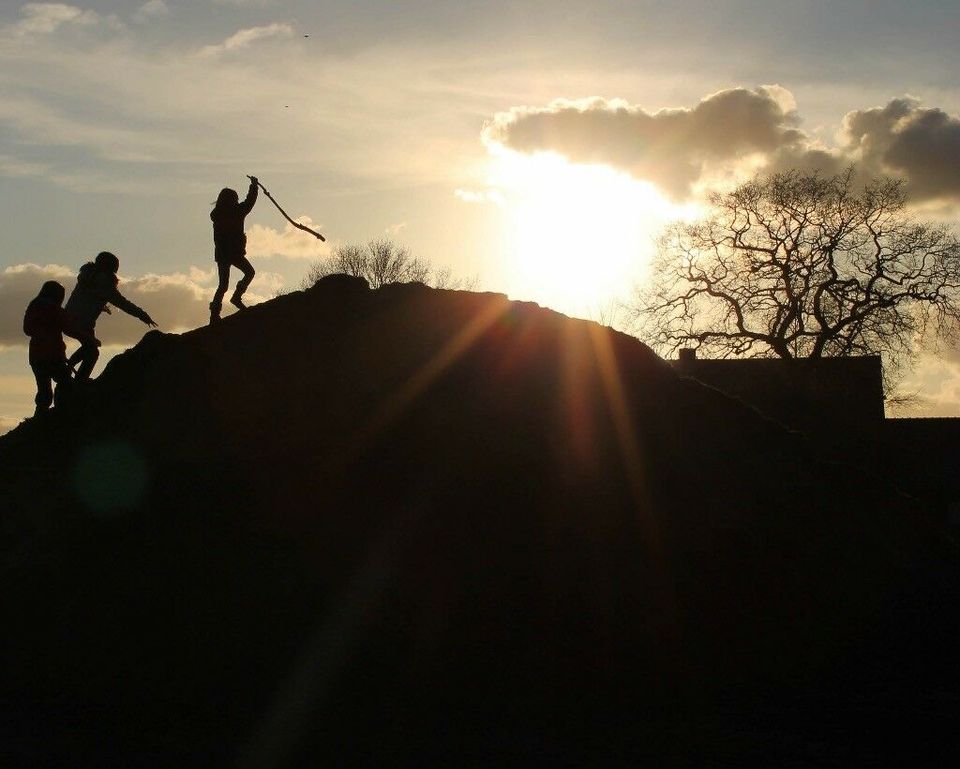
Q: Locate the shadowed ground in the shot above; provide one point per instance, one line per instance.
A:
(413, 526)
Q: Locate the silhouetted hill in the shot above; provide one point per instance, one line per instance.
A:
(414, 526)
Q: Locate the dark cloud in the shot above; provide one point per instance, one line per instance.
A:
(806, 159)
(670, 147)
(675, 148)
(904, 139)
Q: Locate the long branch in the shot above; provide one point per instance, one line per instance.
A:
(287, 216)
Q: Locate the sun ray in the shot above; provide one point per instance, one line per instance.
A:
(419, 382)
(635, 465)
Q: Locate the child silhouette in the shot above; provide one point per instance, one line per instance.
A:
(230, 245)
(43, 322)
(96, 287)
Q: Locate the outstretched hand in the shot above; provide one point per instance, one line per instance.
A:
(253, 180)
(150, 322)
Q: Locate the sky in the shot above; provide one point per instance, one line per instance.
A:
(534, 147)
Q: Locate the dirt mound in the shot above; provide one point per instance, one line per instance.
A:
(412, 525)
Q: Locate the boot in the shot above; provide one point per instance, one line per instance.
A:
(214, 313)
(237, 302)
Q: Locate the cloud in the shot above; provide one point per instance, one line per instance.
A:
(670, 147)
(54, 124)
(735, 129)
(904, 139)
(18, 285)
(175, 301)
(245, 37)
(46, 18)
(17, 389)
(7, 424)
(13, 166)
(158, 117)
(936, 383)
(289, 243)
(152, 9)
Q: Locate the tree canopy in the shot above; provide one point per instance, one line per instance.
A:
(796, 264)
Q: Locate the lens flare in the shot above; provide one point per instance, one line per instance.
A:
(110, 477)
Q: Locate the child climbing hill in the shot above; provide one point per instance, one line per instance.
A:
(230, 245)
(43, 322)
(96, 287)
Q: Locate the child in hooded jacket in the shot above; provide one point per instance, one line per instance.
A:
(43, 322)
(96, 287)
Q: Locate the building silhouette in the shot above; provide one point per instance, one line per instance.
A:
(838, 403)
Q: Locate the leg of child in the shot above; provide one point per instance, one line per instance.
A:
(223, 273)
(61, 376)
(248, 272)
(44, 399)
(74, 359)
(87, 355)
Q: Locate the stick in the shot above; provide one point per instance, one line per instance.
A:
(287, 216)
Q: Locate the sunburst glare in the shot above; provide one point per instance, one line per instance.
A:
(581, 236)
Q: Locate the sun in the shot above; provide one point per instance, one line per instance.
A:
(580, 236)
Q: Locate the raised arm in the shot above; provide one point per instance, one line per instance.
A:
(247, 205)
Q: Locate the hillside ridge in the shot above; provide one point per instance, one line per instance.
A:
(414, 525)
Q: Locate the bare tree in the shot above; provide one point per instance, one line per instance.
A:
(799, 265)
(380, 262)
(443, 277)
(613, 313)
